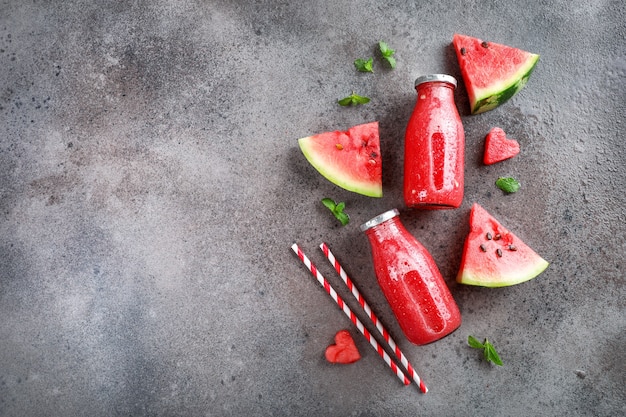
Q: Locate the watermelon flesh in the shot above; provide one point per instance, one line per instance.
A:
(495, 257)
(349, 159)
(492, 72)
(498, 147)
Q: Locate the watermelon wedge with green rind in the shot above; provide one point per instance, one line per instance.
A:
(349, 159)
(495, 257)
(492, 72)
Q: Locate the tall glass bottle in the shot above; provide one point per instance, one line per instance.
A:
(434, 146)
(411, 281)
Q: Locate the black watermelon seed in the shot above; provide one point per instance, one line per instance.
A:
(512, 247)
(483, 248)
(498, 236)
(488, 236)
(484, 44)
(499, 252)
(462, 51)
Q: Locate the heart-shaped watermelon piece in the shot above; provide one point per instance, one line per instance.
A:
(344, 350)
(498, 147)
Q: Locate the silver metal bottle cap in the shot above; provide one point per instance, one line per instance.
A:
(379, 219)
(436, 77)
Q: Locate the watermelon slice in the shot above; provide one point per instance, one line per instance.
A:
(348, 159)
(498, 147)
(493, 73)
(495, 257)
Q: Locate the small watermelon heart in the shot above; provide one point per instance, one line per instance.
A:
(344, 350)
(498, 147)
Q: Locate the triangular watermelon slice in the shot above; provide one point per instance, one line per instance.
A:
(495, 257)
(493, 73)
(349, 159)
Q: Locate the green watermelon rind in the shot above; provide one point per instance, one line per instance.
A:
(497, 94)
(517, 277)
(335, 175)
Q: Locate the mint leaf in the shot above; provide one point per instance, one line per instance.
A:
(391, 60)
(473, 342)
(387, 53)
(360, 99)
(337, 210)
(491, 355)
(346, 101)
(489, 351)
(353, 100)
(384, 49)
(363, 65)
(508, 184)
(329, 203)
(343, 218)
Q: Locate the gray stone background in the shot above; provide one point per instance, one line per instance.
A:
(151, 187)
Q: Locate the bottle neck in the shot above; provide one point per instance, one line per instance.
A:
(435, 87)
(385, 230)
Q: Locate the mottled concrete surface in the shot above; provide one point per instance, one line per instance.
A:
(151, 187)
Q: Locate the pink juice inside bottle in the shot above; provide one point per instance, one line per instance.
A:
(434, 147)
(411, 281)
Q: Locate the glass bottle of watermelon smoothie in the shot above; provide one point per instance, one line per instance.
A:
(434, 146)
(411, 281)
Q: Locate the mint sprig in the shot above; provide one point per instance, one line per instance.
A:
(364, 65)
(337, 210)
(508, 184)
(353, 100)
(387, 53)
(489, 351)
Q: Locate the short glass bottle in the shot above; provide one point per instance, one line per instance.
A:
(410, 280)
(434, 146)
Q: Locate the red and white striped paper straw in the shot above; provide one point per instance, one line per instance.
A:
(355, 292)
(354, 319)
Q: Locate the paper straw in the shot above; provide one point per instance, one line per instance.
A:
(354, 319)
(355, 292)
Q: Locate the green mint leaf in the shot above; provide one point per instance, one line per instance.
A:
(361, 99)
(473, 342)
(489, 352)
(346, 101)
(508, 184)
(329, 203)
(491, 355)
(387, 53)
(384, 49)
(364, 65)
(343, 218)
(337, 210)
(391, 60)
(353, 100)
